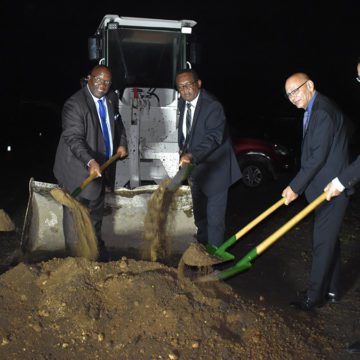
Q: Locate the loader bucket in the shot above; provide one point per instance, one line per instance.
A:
(122, 227)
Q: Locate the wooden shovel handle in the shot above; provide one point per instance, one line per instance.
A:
(260, 218)
(90, 178)
(292, 222)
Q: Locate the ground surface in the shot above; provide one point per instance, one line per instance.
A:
(131, 309)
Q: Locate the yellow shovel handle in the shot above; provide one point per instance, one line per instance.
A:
(260, 218)
(286, 227)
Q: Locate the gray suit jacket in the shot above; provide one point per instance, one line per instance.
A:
(324, 152)
(81, 140)
(210, 145)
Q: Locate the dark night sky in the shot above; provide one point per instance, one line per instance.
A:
(247, 53)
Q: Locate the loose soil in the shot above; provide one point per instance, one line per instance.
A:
(134, 309)
(158, 224)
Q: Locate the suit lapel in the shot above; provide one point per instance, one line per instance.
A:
(180, 125)
(92, 107)
(95, 121)
(195, 117)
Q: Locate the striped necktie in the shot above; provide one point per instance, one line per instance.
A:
(188, 120)
(105, 129)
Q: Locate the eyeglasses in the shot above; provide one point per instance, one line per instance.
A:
(98, 80)
(358, 78)
(295, 91)
(186, 86)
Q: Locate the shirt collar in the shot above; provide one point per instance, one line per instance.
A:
(94, 97)
(193, 102)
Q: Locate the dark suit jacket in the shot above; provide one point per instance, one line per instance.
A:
(216, 165)
(324, 152)
(351, 175)
(81, 140)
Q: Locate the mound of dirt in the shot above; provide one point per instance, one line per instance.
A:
(127, 309)
(6, 223)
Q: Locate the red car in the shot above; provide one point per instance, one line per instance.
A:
(261, 160)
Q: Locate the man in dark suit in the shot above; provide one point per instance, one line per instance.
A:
(324, 155)
(91, 133)
(204, 141)
(346, 180)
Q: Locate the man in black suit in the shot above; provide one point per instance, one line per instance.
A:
(204, 141)
(324, 155)
(346, 180)
(350, 176)
(88, 140)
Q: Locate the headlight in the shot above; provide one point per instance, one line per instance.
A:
(281, 150)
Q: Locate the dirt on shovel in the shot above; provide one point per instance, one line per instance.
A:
(196, 255)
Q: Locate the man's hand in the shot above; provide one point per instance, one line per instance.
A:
(289, 195)
(121, 151)
(331, 191)
(94, 168)
(185, 159)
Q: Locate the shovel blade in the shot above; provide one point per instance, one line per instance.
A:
(197, 255)
(240, 266)
(219, 252)
(225, 274)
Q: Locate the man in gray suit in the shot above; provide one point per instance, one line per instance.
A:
(92, 131)
(204, 141)
(324, 155)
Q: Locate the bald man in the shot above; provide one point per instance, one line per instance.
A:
(323, 156)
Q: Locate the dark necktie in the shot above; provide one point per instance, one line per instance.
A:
(105, 130)
(188, 120)
(305, 122)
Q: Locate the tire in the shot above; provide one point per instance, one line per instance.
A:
(254, 174)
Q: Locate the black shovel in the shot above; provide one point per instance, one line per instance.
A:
(180, 177)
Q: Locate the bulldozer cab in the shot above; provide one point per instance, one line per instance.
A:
(144, 56)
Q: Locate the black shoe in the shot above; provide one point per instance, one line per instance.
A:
(306, 304)
(354, 348)
(332, 298)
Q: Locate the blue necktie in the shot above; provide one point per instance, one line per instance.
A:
(305, 122)
(105, 130)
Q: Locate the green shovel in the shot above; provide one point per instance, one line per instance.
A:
(245, 262)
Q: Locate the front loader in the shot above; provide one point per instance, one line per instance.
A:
(144, 56)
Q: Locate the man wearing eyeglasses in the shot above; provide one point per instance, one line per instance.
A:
(204, 140)
(92, 131)
(324, 155)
